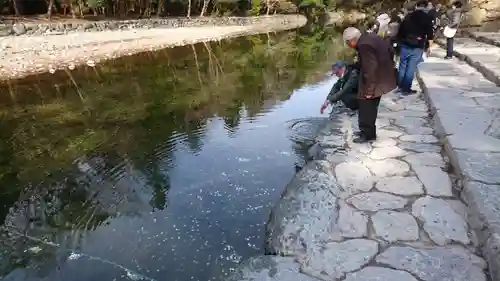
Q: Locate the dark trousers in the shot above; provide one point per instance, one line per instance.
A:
(367, 116)
(449, 47)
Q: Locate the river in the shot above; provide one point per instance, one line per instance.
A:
(159, 166)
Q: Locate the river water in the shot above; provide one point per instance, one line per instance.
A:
(159, 166)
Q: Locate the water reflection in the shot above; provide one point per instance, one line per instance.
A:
(161, 166)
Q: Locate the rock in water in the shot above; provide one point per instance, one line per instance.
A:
(19, 29)
(307, 212)
(269, 268)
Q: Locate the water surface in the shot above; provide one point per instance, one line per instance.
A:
(161, 166)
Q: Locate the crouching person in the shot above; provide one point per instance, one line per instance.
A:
(345, 89)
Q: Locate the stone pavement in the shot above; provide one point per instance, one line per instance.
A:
(386, 211)
(466, 110)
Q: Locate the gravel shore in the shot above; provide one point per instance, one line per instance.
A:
(25, 55)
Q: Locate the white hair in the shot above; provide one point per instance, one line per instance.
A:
(351, 33)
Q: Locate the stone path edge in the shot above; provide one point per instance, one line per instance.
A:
(487, 73)
(490, 244)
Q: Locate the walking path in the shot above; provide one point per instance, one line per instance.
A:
(364, 212)
(466, 108)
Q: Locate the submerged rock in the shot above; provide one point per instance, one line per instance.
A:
(307, 212)
(269, 268)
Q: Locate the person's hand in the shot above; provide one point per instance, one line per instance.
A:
(323, 107)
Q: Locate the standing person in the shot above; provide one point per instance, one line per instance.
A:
(346, 87)
(415, 35)
(377, 77)
(454, 16)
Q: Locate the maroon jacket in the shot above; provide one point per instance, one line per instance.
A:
(378, 73)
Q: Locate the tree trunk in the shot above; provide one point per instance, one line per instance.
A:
(49, 9)
(16, 7)
(161, 7)
(204, 8)
(268, 4)
(189, 9)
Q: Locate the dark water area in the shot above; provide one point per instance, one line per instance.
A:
(160, 166)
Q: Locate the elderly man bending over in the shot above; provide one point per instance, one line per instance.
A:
(346, 87)
(377, 77)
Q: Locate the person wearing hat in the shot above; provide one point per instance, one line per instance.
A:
(346, 87)
(377, 77)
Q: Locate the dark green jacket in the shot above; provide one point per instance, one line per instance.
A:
(346, 86)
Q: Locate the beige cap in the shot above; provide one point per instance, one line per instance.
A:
(351, 33)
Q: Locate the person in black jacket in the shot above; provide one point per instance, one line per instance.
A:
(346, 87)
(415, 35)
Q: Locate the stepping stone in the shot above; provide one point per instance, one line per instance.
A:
(380, 153)
(419, 147)
(373, 273)
(425, 159)
(269, 268)
(435, 264)
(400, 185)
(395, 226)
(385, 143)
(387, 167)
(436, 181)
(354, 177)
(352, 223)
(419, 138)
(383, 133)
(375, 201)
(440, 221)
(334, 260)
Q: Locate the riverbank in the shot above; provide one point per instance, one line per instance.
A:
(382, 211)
(26, 55)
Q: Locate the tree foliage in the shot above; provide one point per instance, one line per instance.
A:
(149, 8)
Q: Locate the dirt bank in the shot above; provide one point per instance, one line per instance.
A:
(25, 55)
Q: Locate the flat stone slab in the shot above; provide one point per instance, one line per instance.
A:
(400, 185)
(352, 223)
(269, 268)
(436, 181)
(354, 177)
(419, 147)
(440, 221)
(395, 226)
(437, 264)
(425, 159)
(334, 260)
(375, 201)
(480, 166)
(419, 138)
(387, 168)
(307, 212)
(484, 207)
(373, 273)
(380, 153)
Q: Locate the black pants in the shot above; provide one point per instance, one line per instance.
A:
(351, 101)
(449, 47)
(367, 116)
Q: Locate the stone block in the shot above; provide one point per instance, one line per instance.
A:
(307, 212)
(269, 268)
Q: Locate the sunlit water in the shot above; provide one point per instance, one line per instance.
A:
(156, 197)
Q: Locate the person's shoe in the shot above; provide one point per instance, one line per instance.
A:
(447, 58)
(357, 134)
(362, 139)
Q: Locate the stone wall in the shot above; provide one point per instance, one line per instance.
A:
(482, 10)
(62, 28)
